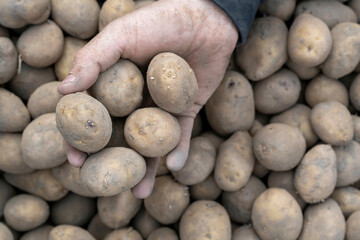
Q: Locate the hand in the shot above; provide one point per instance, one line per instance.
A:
(197, 30)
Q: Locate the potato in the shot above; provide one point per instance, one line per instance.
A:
(278, 146)
(309, 41)
(264, 52)
(235, 162)
(348, 199)
(354, 92)
(355, 5)
(25, 212)
(282, 9)
(315, 176)
(277, 92)
(78, 18)
(97, 228)
(9, 59)
(162, 168)
(11, 160)
(303, 72)
(199, 164)
(117, 211)
(231, 107)
(84, 122)
(124, 233)
(322, 89)
(41, 233)
(119, 88)
(331, 12)
(6, 192)
(245, 232)
(168, 200)
(69, 232)
(113, 9)
(41, 45)
(276, 215)
(205, 190)
(163, 233)
(356, 122)
(4, 32)
(259, 170)
(44, 99)
(197, 127)
(73, 210)
(143, 3)
(40, 140)
(5, 233)
(298, 116)
(71, 46)
(144, 223)
(40, 183)
(152, 132)
(345, 54)
(171, 82)
(238, 204)
(29, 79)
(323, 221)
(332, 122)
(14, 116)
(215, 139)
(117, 138)
(352, 226)
(112, 171)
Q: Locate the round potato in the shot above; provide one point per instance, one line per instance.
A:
(84, 122)
(332, 122)
(124, 233)
(112, 171)
(282, 9)
(9, 60)
(69, 232)
(171, 82)
(304, 73)
(119, 88)
(352, 226)
(5, 233)
(354, 92)
(41, 45)
(348, 199)
(40, 233)
(245, 232)
(6, 192)
(231, 107)
(315, 176)
(25, 212)
(113, 9)
(42, 144)
(144, 223)
(205, 220)
(168, 200)
(205, 190)
(117, 138)
(97, 228)
(163, 233)
(152, 132)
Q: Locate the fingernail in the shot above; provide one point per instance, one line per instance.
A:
(69, 79)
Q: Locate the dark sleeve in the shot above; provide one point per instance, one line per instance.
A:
(242, 13)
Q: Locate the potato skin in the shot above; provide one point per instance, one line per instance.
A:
(332, 122)
(245, 232)
(144, 223)
(41, 45)
(25, 212)
(163, 233)
(117, 138)
(231, 107)
(282, 9)
(112, 171)
(304, 73)
(352, 226)
(323, 220)
(84, 122)
(143, 3)
(124, 233)
(5, 233)
(69, 232)
(19, 117)
(113, 9)
(205, 190)
(97, 228)
(356, 122)
(119, 88)
(168, 200)
(315, 176)
(205, 220)
(348, 199)
(9, 60)
(355, 6)
(235, 162)
(152, 132)
(6, 192)
(276, 214)
(40, 233)
(265, 49)
(171, 82)
(354, 92)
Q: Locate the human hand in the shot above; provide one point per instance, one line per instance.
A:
(198, 31)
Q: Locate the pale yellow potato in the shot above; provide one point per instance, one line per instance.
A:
(40, 233)
(282, 9)
(69, 232)
(303, 72)
(124, 233)
(9, 60)
(97, 228)
(143, 3)
(144, 223)
(113, 9)
(163, 233)
(205, 190)
(352, 226)
(5, 233)
(348, 199)
(245, 232)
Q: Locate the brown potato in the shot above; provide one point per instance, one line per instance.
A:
(348, 199)
(277, 92)
(14, 116)
(162, 168)
(276, 215)
(113, 9)
(119, 88)
(9, 60)
(264, 52)
(5, 233)
(4, 32)
(41, 45)
(332, 123)
(152, 132)
(205, 220)
(112, 171)
(6, 192)
(163, 233)
(69, 232)
(345, 54)
(97, 228)
(84, 122)
(171, 82)
(40, 233)
(124, 233)
(239, 203)
(71, 46)
(205, 190)
(231, 107)
(323, 221)
(354, 92)
(282, 9)
(245, 232)
(25, 212)
(356, 122)
(168, 200)
(352, 226)
(235, 162)
(315, 176)
(117, 138)
(117, 211)
(144, 223)
(41, 183)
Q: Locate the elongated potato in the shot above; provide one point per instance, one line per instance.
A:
(245, 232)
(124, 233)
(348, 199)
(113, 9)
(352, 226)
(144, 223)
(9, 60)
(205, 190)
(282, 9)
(69, 232)
(234, 93)
(163, 233)
(5, 233)
(235, 162)
(6, 192)
(40, 233)
(97, 228)
(354, 92)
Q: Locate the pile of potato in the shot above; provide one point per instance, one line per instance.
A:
(275, 152)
